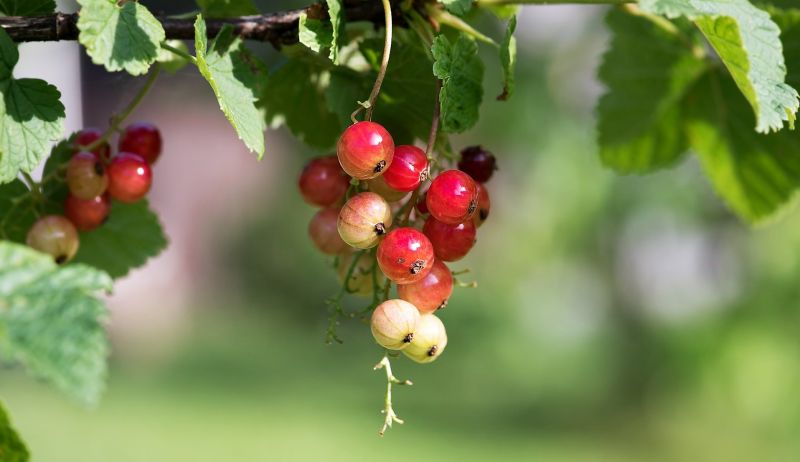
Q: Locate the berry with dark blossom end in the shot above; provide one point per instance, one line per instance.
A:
(129, 177)
(142, 139)
(431, 292)
(450, 242)
(365, 150)
(378, 186)
(323, 182)
(360, 281)
(86, 175)
(394, 323)
(324, 234)
(479, 163)
(409, 168)
(364, 219)
(54, 235)
(452, 197)
(88, 136)
(85, 214)
(484, 206)
(430, 340)
(405, 255)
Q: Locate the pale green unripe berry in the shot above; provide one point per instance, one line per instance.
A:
(394, 323)
(364, 219)
(430, 340)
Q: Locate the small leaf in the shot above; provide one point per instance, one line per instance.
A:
(461, 72)
(12, 448)
(226, 8)
(313, 33)
(748, 42)
(126, 241)
(225, 68)
(336, 14)
(126, 37)
(459, 7)
(26, 7)
(51, 321)
(508, 59)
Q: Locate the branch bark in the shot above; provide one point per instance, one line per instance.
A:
(278, 28)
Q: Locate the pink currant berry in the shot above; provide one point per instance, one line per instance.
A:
(365, 150)
(394, 323)
(129, 177)
(405, 255)
(142, 139)
(478, 163)
(86, 176)
(85, 214)
(54, 235)
(323, 182)
(484, 206)
(364, 219)
(88, 136)
(430, 340)
(452, 197)
(409, 168)
(378, 186)
(323, 232)
(450, 242)
(360, 282)
(431, 292)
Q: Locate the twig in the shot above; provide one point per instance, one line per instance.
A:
(390, 416)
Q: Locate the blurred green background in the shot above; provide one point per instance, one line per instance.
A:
(617, 318)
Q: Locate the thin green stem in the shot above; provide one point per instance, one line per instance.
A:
(390, 416)
(179, 52)
(387, 51)
(335, 302)
(443, 17)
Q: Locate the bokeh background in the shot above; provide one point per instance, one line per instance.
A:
(617, 318)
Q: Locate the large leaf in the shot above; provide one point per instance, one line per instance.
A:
(748, 42)
(224, 67)
(314, 33)
(508, 59)
(51, 322)
(12, 448)
(26, 7)
(461, 71)
(31, 116)
(755, 174)
(226, 8)
(648, 72)
(120, 37)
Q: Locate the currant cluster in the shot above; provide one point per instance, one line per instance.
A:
(95, 177)
(381, 236)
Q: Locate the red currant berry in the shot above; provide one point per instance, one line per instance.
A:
(364, 219)
(479, 163)
(452, 197)
(142, 139)
(365, 150)
(393, 324)
(484, 205)
(430, 340)
(129, 177)
(360, 282)
(431, 292)
(89, 214)
(405, 255)
(86, 176)
(422, 206)
(450, 242)
(322, 181)
(378, 186)
(409, 168)
(88, 136)
(323, 232)
(54, 235)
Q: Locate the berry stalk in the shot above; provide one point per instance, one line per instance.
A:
(387, 51)
(390, 416)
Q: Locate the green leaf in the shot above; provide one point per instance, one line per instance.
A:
(31, 116)
(12, 448)
(126, 37)
(747, 41)
(26, 7)
(508, 59)
(225, 68)
(461, 72)
(336, 14)
(757, 175)
(16, 211)
(459, 7)
(170, 61)
(51, 322)
(127, 240)
(226, 8)
(313, 33)
(648, 71)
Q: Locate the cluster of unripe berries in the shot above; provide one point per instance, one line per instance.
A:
(413, 253)
(94, 178)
